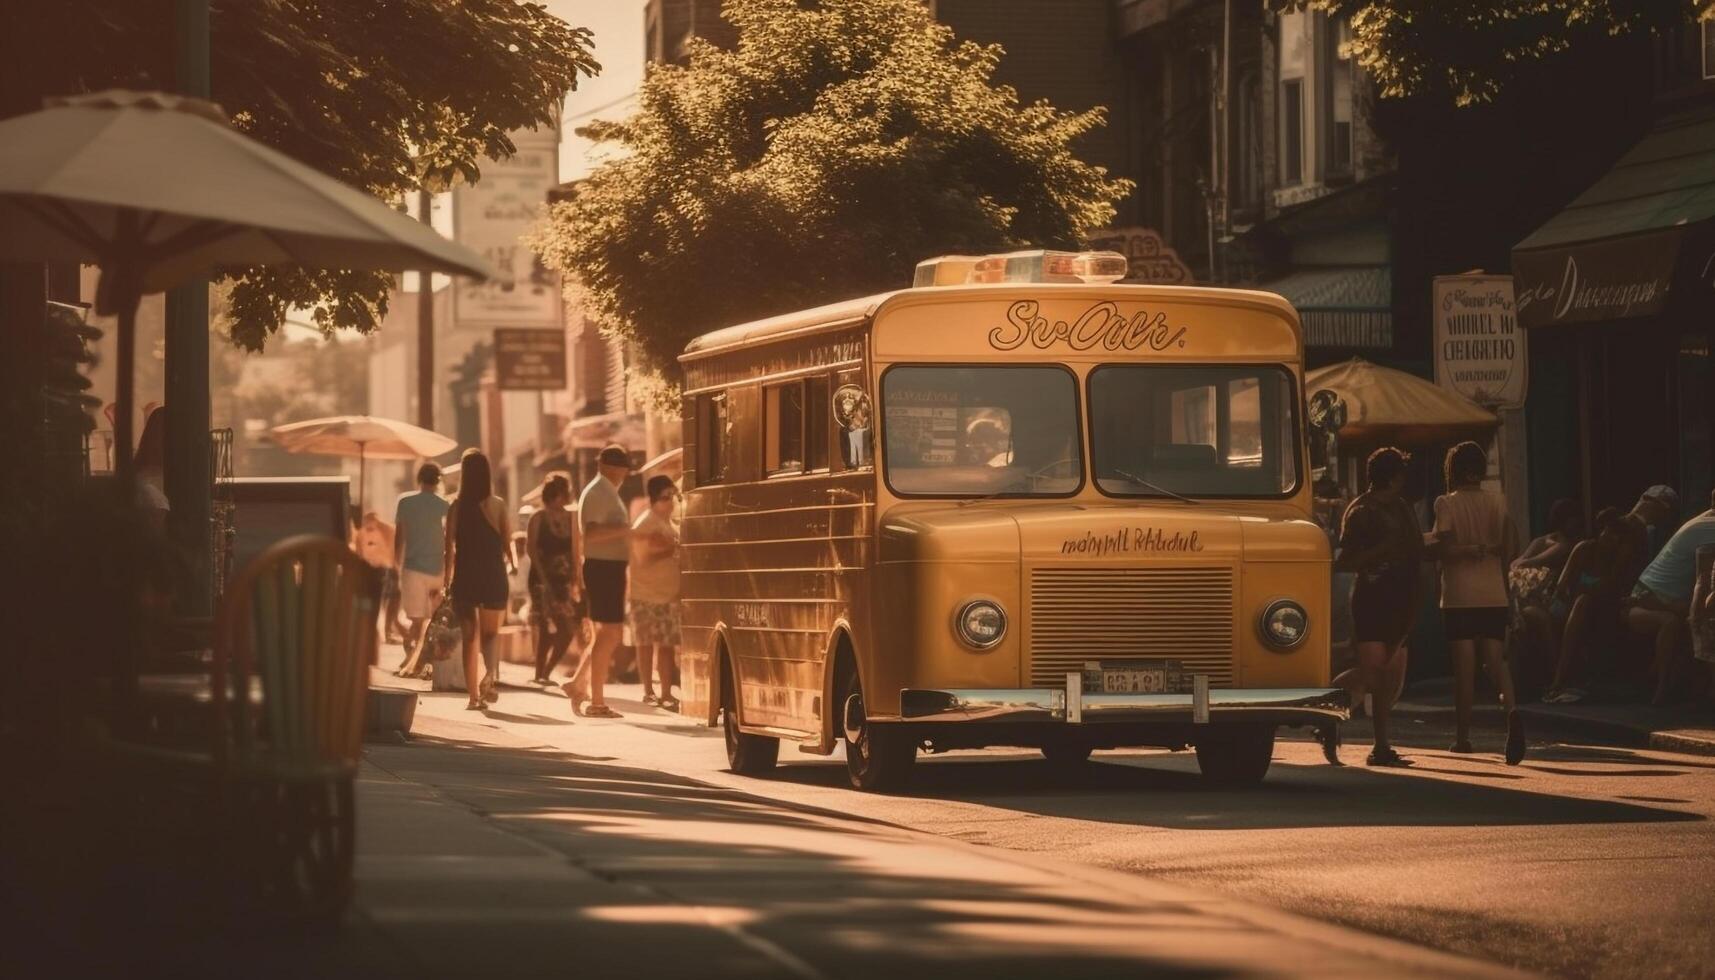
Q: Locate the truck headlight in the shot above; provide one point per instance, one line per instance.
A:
(1284, 624)
(981, 624)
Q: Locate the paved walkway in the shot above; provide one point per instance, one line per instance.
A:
(482, 855)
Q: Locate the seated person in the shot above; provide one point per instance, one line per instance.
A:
(1531, 579)
(1661, 601)
(1586, 600)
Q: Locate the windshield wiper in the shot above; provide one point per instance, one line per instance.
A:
(1140, 481)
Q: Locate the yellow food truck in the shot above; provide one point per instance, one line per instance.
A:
(1018, 504)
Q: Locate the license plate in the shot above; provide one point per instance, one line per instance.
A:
(1133, 677)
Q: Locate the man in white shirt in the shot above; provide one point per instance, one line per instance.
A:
(605, 524)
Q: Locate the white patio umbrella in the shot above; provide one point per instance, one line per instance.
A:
(158, 189)
(364, 436)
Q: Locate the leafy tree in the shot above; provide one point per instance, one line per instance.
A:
(1467, 50)
(387, 95)
(837, 144)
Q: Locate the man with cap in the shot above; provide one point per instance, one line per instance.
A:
(605, 523)
(1646, 528)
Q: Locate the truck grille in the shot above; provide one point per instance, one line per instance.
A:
(1080, 614)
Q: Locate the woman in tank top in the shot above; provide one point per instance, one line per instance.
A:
(477, 560)
(1475, 543)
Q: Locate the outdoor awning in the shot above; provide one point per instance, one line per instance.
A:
(1341, 306)
(1616, 251)
(1389, 407)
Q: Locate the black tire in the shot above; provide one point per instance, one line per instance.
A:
(1066, 753)
(878, 757)
(747, 755)
(1238, 757)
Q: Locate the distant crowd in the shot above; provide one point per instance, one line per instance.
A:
(1631, 600)
(581, 574)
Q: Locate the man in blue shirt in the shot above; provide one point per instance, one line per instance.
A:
(1662, 598)
(419, 546)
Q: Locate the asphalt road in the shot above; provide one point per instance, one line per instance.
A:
(1583, 861)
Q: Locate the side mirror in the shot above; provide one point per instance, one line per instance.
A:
(1325, 416)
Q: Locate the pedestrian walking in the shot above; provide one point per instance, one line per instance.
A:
(604, 523)
(1475, 542)
(419, 537)
(1381, 544)
(655, 592)
(475, 564)
(551, 544)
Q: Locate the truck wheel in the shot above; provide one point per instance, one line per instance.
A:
(1066, 753)
(1236, 758)
(747, 755)
(877, 758)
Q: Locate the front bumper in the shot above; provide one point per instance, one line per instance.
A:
(1280, 706)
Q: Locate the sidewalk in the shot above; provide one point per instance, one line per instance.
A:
(1672, 728)
(484, 858)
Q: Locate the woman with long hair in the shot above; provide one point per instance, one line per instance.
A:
(551, 542)
(1476, 542)
(1587, 600)
(476, 566)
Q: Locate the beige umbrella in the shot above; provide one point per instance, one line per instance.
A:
(158, 189)
(365, 437)
(1389, 407)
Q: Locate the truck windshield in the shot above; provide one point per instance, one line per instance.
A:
(1193, 431)
(953, 431)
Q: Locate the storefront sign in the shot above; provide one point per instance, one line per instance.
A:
(1152, 260)
(1615, 279)
(529, 360)
(1480, 348)
(492, 216)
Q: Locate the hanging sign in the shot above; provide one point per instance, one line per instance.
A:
(530, 360)
(1480, 349)
(492, 217)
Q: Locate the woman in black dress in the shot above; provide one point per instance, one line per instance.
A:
(1382, 543)
(476, 564)
(554, 613)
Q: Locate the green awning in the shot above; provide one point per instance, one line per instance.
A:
(1341, 306)
(1612, 253)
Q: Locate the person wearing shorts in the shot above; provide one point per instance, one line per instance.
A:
(419, 546)
(605, 525)
(1381, 544)
(1476, 542)
(655, 591)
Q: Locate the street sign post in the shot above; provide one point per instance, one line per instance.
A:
(1480, 349)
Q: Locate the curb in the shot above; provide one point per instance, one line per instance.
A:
(1603, 730)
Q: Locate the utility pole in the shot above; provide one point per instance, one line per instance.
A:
(426, 329)
(189, 479)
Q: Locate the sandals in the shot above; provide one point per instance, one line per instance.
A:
(476, 706)
(668, 703)
(651, 700)
(593, 710)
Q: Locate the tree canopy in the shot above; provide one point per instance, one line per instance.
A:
(387, 95)
(1467, 50)
(837, 145)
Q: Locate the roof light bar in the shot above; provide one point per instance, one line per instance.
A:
(1033, 265)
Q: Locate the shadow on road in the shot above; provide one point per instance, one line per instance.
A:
(831, 891)
(1166, 791)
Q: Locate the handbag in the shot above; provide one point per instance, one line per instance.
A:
(445, 640)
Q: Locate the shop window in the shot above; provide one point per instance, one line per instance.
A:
(783, 428)
(1339, 99)
(714, 439)
(1292, 131)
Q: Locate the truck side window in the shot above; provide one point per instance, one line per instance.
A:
(783, 428)
(714, 434)
(816, 421)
